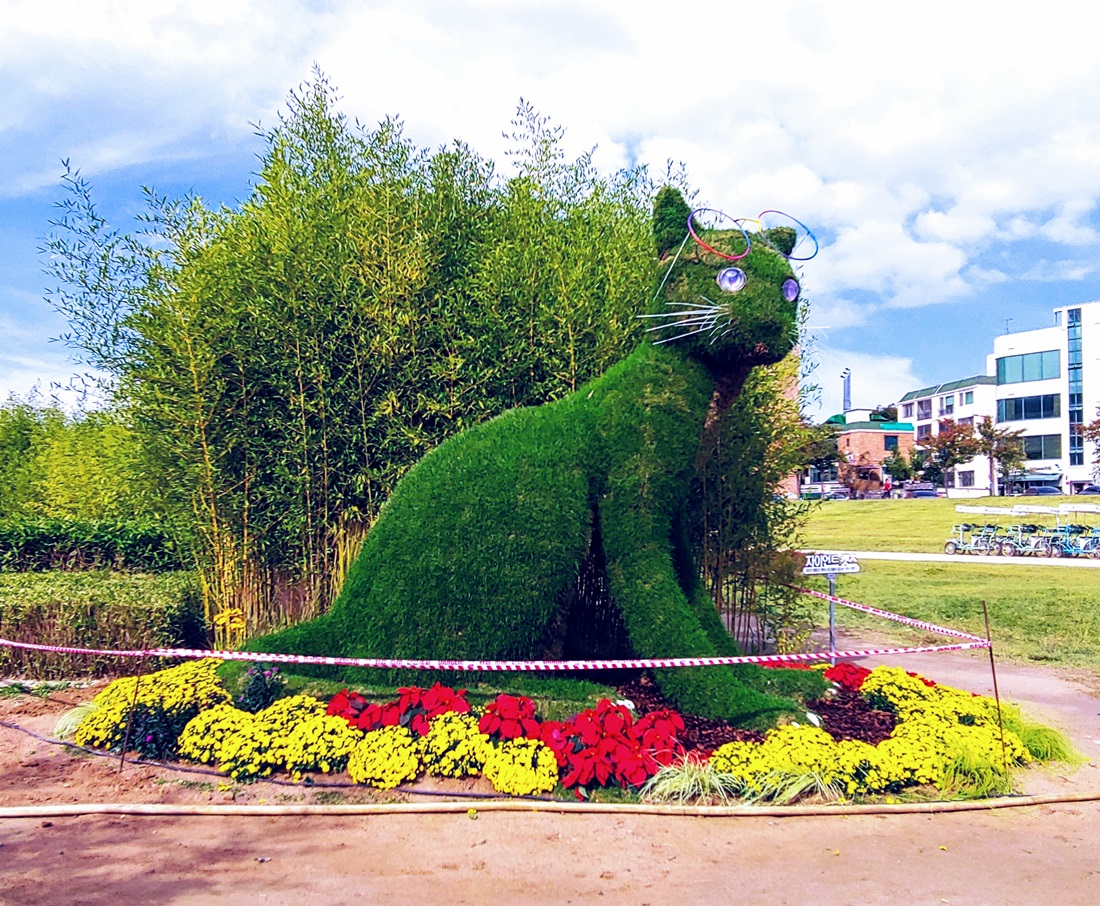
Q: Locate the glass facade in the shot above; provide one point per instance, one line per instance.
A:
(1073, 369)
(1028, 407)
(1043, 446)
(1033, 366)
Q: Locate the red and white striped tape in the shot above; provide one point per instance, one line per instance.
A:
(897, 618)
(972, 641)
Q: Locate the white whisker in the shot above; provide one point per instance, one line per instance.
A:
(694, 319)
(680, 314)
(687, 322)
(679, 336)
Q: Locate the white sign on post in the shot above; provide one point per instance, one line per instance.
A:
(830, 564)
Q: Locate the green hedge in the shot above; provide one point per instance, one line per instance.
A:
(95, 609)
(33, 544)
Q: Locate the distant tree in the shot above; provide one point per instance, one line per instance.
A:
(79, 466)
(900, 466)
(22, 425)
(1091, 432)
(885, 413)
(821, 449)
(953, 446)
(1003, 447)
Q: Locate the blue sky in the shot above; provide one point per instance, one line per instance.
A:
(947, 154)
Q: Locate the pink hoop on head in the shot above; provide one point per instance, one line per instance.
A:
(714, 251)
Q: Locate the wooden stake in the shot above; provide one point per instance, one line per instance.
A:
(130, 717)
(996, 692)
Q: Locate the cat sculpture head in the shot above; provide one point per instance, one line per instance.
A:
(725, 290)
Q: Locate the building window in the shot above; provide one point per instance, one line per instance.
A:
(1074, 362)
(967, 422)
(907, 410)
(924, 410)
(890, 442)
(924, 431)
(966, 398)
(965, 479)
(1034, 366)
(1025, 408)
(1043, 446)
(817, 475)
(947, 405)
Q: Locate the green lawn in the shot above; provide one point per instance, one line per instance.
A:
(1035, 613)
(916, 526)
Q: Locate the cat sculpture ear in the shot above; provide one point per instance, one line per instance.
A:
(670, 215)
(782, 239)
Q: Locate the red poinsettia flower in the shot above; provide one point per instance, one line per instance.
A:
(338, 704)
(555, 736)
(347, 705)
(509, 717)
(850, 676)
(440, 699)
(606, 745)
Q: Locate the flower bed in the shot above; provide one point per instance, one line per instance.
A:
(881, 731)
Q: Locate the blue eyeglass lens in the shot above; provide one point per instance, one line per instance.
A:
(790, 289)
(731, 279)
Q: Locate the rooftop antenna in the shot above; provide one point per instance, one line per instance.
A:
(846, 374)
(1006, 324)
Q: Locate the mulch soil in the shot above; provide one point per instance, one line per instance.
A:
(845, 715)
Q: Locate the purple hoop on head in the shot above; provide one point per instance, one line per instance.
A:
(739, 222)
(805, 229)
(694, 235)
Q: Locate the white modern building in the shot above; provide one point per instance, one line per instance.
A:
(1048, 386)
(967, 402)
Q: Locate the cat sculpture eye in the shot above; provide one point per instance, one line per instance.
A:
(731, 279)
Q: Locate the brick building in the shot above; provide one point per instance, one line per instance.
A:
(864, 443)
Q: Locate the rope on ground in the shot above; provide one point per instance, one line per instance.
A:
(526, 805)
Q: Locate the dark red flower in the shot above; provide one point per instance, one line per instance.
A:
(850, 676)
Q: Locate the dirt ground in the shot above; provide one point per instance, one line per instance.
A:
(1038, 853)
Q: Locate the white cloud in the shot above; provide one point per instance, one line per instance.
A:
(836, 313)
(1044, 271)
(877, 380)
(1065, 226)
(919, 146)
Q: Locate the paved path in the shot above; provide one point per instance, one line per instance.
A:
(1063, 562)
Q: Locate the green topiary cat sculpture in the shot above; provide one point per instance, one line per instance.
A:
(555, 531)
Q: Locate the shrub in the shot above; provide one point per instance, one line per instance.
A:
(166, 701)
(522, 767)
(44, 543)
(385, 758)
(262, 685)
(454, 746)
(260, 746)
(202, 738)
(321, 743)
(95, 610)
